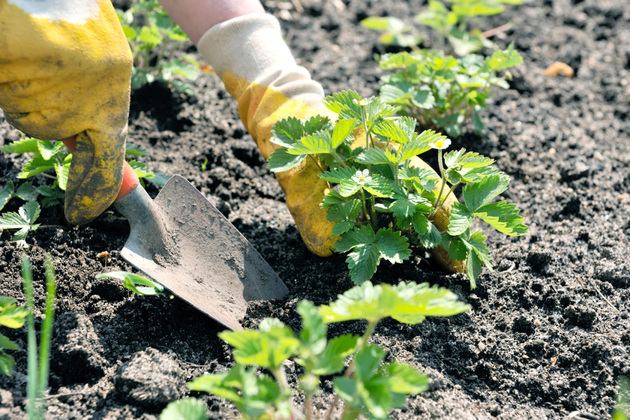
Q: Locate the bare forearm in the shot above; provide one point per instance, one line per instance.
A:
(195, 17)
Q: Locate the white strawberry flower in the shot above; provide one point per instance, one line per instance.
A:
(441, 144)
(362, 177)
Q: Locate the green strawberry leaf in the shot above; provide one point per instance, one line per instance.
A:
(184, 409)
(11, 315)
(376, 156)
(7, 364)
(316, 143)
(504, 217)
(362, 262)
(25, 145)
(429, 235)
(332, 359)
(405, 379)
(336, 175)
(287, 132)
(280, 160)
(400, 131)
(6, 193)
(342, 131)
(26, 192)
(48, 149)
(407, 303)
(461, 219)
(482, 192)
(266, 347)
(379, 186)
(456, 247)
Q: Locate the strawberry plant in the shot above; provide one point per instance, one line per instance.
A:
(382, 200)
(157, 45)
(442, 91)
(451, 20)
(366, 384)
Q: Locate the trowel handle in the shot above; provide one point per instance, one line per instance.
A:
(130, 179)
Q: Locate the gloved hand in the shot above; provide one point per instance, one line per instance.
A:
(65, 70)
(258, 69)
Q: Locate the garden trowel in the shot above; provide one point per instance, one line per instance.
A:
(184, 243)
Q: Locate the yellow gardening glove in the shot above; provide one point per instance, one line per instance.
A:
(258, 69)
(65, 70)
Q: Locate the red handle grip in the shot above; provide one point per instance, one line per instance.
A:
(130, 179)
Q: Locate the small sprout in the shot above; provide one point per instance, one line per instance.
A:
(135, 282)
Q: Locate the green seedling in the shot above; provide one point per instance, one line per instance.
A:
(382, 203)
(443, 92)
(134, 282)
(367, 385)
(453, 23)
(11, 316)
(38, 361)
(451, 20)
(157, 45)
(394, 31)
(23, 221)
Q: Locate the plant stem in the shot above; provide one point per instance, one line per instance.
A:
(316, 161)
(443, 175)
(365, 210)
(444, 200)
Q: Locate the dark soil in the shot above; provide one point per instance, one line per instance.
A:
(548, 335)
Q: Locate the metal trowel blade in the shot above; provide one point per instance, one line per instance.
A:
(184, 243)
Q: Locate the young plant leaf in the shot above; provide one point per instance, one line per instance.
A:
(400, 131)
(25, 145)
(343, 131)
(48, 149)
(252, 394)
(23, 221)
(184, 409)
(266, 347)
(504, 217)
(344, 216)
(11, 315)
(6, 193)
(135, 282)
(461, 219)
(313, 144)
(408, 303)
(281, 160)
(376, 156)
(332, 359)
(487, 189)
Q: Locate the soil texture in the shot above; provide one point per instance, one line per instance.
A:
(548, 335)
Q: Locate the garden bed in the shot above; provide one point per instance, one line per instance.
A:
(548, 334)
